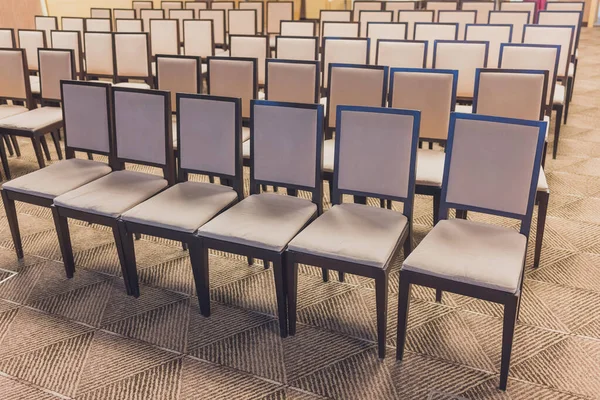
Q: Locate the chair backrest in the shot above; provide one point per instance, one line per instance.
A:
(178, 74)
(14, 79)
(181, 15)
(355, 85)
(98, 25)
(143, 128)
(563, 18)
(213, 146)
(138, 6)
(150, 14)
(483, 9)
(495, 35)
(104, 13)
(233, 77)
(519, 94)
(373, 16)
(565, 5)
(298, 28)
(553, 34)
(462, 18)
(74, 24)
(376, 154)
(46, 24)
(171, 5)
(99, 54)
(518, 20)
(225, 6)
(430, 91)
(396, 6)
(292, 81)
(340, 30)
(164, 36)
(31, 41)
(432, 32)
(463, 56)
(132, 57)
(218, 18)
(333, 16)
(69, 40)
(124, 13)
(7, 38)
(251, 46)
(361, 5)
(196, 6)
(278, 11)
(298, 146)
(297, 48)
(55, 65)
(401, 53)
(86, 117)
(384, 30)
(437, 6)
(129, 25)
(344, 50)
(198, 38)
(529, 6)
(242, 22)
(413, 16)
(492, 165)
(260, 12)
(537, 57)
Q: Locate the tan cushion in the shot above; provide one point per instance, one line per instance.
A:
(547, 120)
(272, 41)
(353, 233)
(133, 85)
(467, 109)
(246, 149)
(221, 53)
(571, 69)
(430, 167)
(268, 221)
(112, 194)
(261, 95)
(34, 120)
(34, 81)
(471, 252)
(559, 94)
(58, 178)
(542, 182)
(184, 207)
(328, 155)
(8, 111)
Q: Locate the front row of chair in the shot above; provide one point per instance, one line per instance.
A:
(492, 166)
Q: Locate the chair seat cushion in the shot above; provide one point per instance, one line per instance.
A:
(246, 149)
(221, 53)
(430, 167)
(8, 111)
(184, 207)
(267, 221)
(571, 69)
(203, 68)
(37, 120)
(34, 82)
(354, 233)
(559, 94)
(323, 102)
(542, 182)
(461, 108)
(471, 252)
(58, 178)
(328, 155)
(133, 85)
(112, 194)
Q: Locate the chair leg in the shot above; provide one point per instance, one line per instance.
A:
(137, 236)
(64, 240)
(281, 289)
(544, 154)
(568, 98)
(341, 276)
(360, 200)
(45, 147)
(438, 295)
(265, 264)
(15, 144)
(437, 198)
(9, 146)
(90, 156)
(542, 198)
(250, 260)
(292, 192)
(13, 223)
(508, 332)
(381, 296)
(184, 246)
(408, 243)
(4, 160)
(330, 181)
(126, 251)
(56, 141)
(403, 306)
(325, 272)
(557, 122)
(199, 261)
(37, 148)
(292, 287)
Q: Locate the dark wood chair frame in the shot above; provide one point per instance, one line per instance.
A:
(268, 2)
(510, 301)
(149, 79)
(78, 60)
(314, 38)
(223, 46)
(379, 274)
(276, 257)
(424, 42)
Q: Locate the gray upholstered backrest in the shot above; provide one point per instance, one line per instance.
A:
(99, 53)
(292, 82)
(31, 41)
(198, 38)
(14, 73)
(178, 75)
(495, 35)
(131, 53)
(55, 65)
(465, 57)
(233, 78)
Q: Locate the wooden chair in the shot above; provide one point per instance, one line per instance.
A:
(298, 28)
(99, 55)
(70, 40)
(132, 60)
(461, 17)
(384, 30)
(31, 41)
(164, 37)
(432, 32)
(518, 20)
(218, 18)
(411, 17)
(495, 35)
(260, 12)
(483, 9)
(46, 24)
(278, 11)
(297, 48)
(242, 22)
(344, 50)
(249, 46)
(198, 38)
(149, 14)
(74, 24)
(181, 15)
(401, 53)
(333, 16)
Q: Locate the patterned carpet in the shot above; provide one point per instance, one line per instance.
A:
(85, 339)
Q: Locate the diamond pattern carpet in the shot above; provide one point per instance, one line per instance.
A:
(84, 338)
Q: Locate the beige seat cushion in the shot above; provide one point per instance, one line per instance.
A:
(261, 95)
(221, 53)
(354, 233)
(272, 41)
(547, 120)
(34, 120)
(246, 149)
(8, 111)
(267, 220)
(184, 207)
(112, 194)
(571, 69)
(34, 81)
(467, 109)
(328, 155)
(471, 252)
(323, 102)
(430, 167)
(559, 94)
(542, 182)
(133, 85)
(58, 178)
(203, 68)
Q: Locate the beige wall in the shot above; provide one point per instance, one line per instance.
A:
(19, 13)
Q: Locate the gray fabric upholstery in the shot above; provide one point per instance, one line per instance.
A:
(354, 233)
(430, 167)
(8, 111)
(267, 220)
(112, 194)
(59, 178)
(34, 120)
(559, 94)
(133, 85)
(184, 207)
(34, 83)
(471, 252)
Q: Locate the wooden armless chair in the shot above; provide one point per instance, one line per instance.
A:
(384, 30)
(432, 32)
(401, 53)
(495, 35)
(297, 48)
(132, 60)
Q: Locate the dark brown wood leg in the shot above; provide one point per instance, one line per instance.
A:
(37, 148)
(542, 198)
(403, 306)
(381, 295)
(438, 295)
(56, 141)
(4, 160)
(292, 287)
(45, 147)
(557, 122)
(508, 332)
(126, 253)
(64, 240)
(281, 289)
(437, 197)
(8, 144)
(13, 223)
(199, 261)
(15, 144)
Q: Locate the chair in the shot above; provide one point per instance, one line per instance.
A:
(253, 47)
(87, 128)
(142, 135)
(129, 25)
(483, 9)
(333, 16)
(218, 19)
(99, 55)
(297, 48)
(411, 17)
(138, 6)
(7, 38)
(485, 156)
(373, 16)
(124, 13)
(178, 74)
(46, 24)
(196, 6)
(103, 13)
(198, 38)
(340, 30)
(437, 6)
(149, 14)
(495, 35)
(384, 30)
(132, 60)
(528, 6)
(98, 25)
(167, 6)
(209, 148)
(180, 16)
(379, 162)
(565, 6)
(465, 57)
(518, 20)
(242, 22)
(31, 41)
(432, 32)
(280, 217)
(278, 11)
(433, 93)
(298, 28)
(397, 6)
(225, 6)
(344, 51)
(462, 18)
(164, 36)
(370, 5)
(260, 12)
(401, 53)
(74, 24)
(292, 81)
(70, 40)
